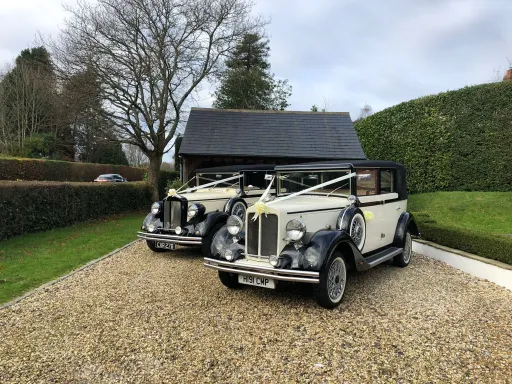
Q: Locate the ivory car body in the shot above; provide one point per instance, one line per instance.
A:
(192, 216)
(325, 219)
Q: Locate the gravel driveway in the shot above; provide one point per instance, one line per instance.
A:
(145, 317)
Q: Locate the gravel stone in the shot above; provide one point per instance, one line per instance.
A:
(146, 317)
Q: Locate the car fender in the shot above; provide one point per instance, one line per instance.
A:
(319, 248)
(229, 204)
(345, 216)
(211, 220)
(405, 221)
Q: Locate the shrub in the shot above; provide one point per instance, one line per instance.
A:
(37, 206)
(50, 170)
(165, 178)
(457, 140)
(482, 244)
(174, 184)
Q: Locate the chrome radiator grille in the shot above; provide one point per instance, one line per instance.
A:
(265, 227)
(172, 214)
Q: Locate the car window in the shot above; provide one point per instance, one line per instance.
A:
(387, 181)
(366, 182)
(256, 179)
(291, 182)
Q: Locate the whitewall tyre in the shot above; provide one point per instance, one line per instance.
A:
(333, 279)
(357, 230)
(403, 259)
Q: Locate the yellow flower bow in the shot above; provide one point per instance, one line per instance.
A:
(368, 215)
(171, 192)
(261, 209)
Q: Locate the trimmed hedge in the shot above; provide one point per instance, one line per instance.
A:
(486, 245)
(458, 140)
(52, 170)
(36, 206)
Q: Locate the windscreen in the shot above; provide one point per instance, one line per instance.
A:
(206, 178)
(292, 182)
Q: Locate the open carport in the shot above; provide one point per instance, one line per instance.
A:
(145, 317)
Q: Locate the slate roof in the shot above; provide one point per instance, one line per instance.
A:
(315, 135)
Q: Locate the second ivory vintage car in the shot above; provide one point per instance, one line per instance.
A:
(325, 219)
(193, 214)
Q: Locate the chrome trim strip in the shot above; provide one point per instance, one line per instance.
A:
(266, 275)
(170, 238)
(243, 267)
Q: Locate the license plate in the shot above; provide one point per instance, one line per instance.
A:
(257, 281)
(170, 246)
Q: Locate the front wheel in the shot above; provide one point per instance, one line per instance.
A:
(403, 259)
(239, 209)
(330, 290)
(229, 280)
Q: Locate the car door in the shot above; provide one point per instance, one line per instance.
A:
(392, 206)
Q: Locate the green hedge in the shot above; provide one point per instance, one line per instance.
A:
(32, 206)
(458, 140)
(165, 177)
(52, 170)
(490, 246)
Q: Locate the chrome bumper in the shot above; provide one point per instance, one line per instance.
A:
(261, 271)
(175, 239)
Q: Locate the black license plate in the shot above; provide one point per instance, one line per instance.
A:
(162, 245)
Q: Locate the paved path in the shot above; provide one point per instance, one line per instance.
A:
(145, 317)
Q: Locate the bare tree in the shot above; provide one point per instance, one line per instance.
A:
(26, 95)
(136, 157)
(365, 112)
(150, 56)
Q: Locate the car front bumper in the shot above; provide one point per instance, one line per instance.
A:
(173, 239)
(244, 267)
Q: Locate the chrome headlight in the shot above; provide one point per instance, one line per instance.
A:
(352, 200)
(235, 225)
(155, 208)
(193, 209)
(295, 229)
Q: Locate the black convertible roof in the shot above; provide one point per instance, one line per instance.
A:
(237, 168)
(341, 164)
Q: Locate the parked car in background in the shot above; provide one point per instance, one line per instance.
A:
(110, 178)
(326, 218)
(192, 215)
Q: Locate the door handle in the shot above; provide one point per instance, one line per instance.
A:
(397, 208)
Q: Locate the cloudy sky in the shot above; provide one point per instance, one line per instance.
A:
(345, 53)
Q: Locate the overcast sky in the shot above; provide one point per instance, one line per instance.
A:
(345, 53)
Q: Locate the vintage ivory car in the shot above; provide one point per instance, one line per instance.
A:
(194, 215)
(326, 218)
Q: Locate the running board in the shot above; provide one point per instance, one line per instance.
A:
(383, 256)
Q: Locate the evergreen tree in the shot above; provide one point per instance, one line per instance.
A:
(247, 82)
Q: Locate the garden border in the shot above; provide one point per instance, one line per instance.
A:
(69, 274)
(494, 271)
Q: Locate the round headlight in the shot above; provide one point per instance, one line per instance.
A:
(178, 230)
(155, 208)
(352, 199)
(295, 229)
(273, 260)
(235, 225)
(228, 255)
(151, 228)
(192, 211)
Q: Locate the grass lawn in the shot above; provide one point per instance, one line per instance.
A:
(490, 212)
(475, 222)
(31, 260)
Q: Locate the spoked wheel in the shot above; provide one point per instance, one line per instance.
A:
(239, 209)
(333, 278)
(358, 230)
(404, 258)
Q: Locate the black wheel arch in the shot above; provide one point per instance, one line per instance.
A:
(406, 222)
(212, 219)
(231, 202)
